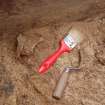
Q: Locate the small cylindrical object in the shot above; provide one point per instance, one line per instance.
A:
(61, 84)
(60, 87)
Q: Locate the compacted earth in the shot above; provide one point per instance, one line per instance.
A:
(30, 30)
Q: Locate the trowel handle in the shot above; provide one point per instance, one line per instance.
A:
(59, 89)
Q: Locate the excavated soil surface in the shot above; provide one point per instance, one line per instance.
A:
(30, 30)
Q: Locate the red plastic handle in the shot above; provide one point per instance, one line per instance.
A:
(52, 59)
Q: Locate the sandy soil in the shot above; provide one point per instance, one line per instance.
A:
(30, 30)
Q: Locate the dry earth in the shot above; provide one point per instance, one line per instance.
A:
(30, 30)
